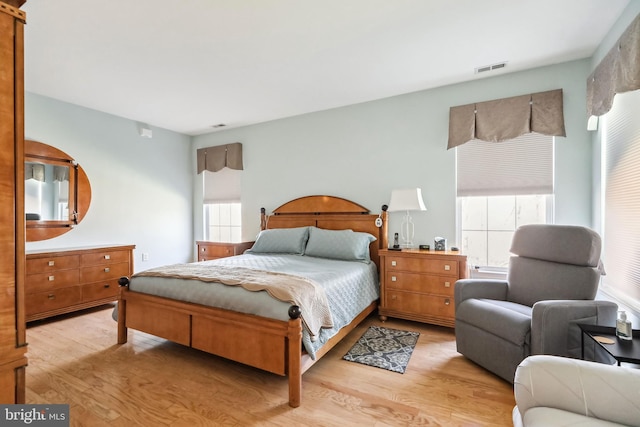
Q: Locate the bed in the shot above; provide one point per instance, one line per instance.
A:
(284, 344)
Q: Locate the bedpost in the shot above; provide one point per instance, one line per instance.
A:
(294, 374)
(263, 219)
(385, 227)
(122, 311)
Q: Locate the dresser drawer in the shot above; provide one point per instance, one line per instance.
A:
(400, 280)
(50, 281)
(43, 265)
(103, 272)
(100, 290)
(412, 303)
(53, 300)
(104, 257)
(422, 265)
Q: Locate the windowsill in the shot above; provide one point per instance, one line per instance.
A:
(498, 273)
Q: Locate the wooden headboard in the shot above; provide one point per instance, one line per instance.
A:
(332, 213)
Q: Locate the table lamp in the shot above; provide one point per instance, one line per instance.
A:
(407, 200)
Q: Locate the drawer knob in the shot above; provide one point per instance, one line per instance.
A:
(394, 297)
(52, 263)
(107, 257)
(447, 267)
(447, 284)
(447, 301)
(204, 249)
(52, 278)
(393, 278)
(393, 263)
(51, 296)
(107, 269)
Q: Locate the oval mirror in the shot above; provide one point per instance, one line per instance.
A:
(57, 191)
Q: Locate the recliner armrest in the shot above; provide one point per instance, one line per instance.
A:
(606, 392)
(555, 330)
(480, 288)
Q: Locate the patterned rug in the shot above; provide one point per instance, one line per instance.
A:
(384, 348)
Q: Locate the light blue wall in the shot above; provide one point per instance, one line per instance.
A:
(362, 152)
(141, 188)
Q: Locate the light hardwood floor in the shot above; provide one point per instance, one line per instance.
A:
(74, 359)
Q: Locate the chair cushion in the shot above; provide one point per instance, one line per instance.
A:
(508, 320)
(551, 417)
(566, 244)
(532, 280)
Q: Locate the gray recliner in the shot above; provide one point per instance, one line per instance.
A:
(551, 284)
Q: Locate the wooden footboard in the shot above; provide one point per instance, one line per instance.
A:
(267, 344)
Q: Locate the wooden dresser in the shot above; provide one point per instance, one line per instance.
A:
(65, 280)
(418, 285)
(215, 250)
(13, 346)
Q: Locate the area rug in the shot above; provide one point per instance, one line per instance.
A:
(384, 348)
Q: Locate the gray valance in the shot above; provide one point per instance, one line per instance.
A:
(34, 171)
(618, 72)
(507, 118)
(215, 158)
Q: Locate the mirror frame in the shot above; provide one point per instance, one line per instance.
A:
(79, 191)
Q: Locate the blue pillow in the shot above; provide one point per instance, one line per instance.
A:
(281, 241)
(347, 245)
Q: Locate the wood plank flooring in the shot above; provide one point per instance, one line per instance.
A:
(74, 359)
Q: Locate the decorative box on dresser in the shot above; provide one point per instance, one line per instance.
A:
(64, 280)
(215, 250)
(13, 346)
(418, 284)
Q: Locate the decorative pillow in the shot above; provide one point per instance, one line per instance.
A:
(281, 241)
(345, 245)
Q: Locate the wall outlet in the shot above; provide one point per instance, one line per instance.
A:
(145, 256)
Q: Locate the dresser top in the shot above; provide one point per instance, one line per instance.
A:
(79, 249)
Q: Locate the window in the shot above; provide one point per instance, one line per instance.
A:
(487, 224)
(621, 199)
(501, 186)
(222, 209)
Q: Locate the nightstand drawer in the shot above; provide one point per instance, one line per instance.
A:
(441, 285)
(422, 265)
(217, 251)
(409, 302)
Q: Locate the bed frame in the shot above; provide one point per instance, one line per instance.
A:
(267, 344)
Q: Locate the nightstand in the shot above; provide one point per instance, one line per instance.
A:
(214, 250)
(418, 284)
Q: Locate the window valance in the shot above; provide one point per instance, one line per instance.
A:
(618, 72)
(507, 118)
(215, 158)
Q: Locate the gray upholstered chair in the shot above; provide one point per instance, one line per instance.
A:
(551, 284)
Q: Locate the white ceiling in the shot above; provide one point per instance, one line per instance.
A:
(187, 65)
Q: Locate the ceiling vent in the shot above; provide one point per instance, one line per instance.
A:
(491, 67)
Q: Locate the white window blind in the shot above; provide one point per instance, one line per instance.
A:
(523, 165)
(222, 186)
(621, 176)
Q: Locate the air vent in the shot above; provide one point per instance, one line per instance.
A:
(491, 67)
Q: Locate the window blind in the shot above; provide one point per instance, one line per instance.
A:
(222, 186)
(522, 165)
(621, 232)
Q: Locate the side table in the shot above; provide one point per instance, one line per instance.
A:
(627, 351)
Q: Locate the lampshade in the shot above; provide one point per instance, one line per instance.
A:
(406, 200)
